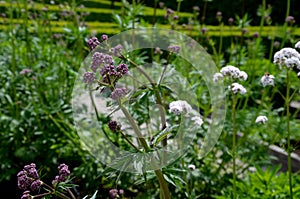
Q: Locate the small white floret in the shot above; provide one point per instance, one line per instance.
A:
(261, 119)
(238, 88)
(217, 77)
(267, 79)
(192, 167)
(297, 45)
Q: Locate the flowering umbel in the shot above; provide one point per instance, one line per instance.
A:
(267, 79)
(287, 57)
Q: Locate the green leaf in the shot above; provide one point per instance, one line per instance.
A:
(160, 136)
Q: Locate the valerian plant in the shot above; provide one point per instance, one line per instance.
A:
(105, 74)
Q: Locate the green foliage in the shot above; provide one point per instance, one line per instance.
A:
(264, 183)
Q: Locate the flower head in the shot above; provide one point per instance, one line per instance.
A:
(267, 79)
(116, 51)
(179, 107)
(88, 77)
(197, 120)
(174, 49)
(97, 60)
(26, 195)
(287, 57)
(234, 72)
(297, 45)
(238, 88)
(113, 125)
(261, 119)
(113, 193)
(104, 37)
(118, 93)
(217, 77)
(192, 167)
(63, 173)
(93, 43)
(28, 177)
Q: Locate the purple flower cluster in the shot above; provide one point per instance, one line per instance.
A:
(63, 173)
(116, 51)
(104, 37)
(109, 72)
(26, 195)
(93, 43)
(114, 193)
(118, 93)
(113, 125)
(174, 49)
(88, 77)
(29, 178)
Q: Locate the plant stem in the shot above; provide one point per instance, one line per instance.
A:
(53, 191)
(135, 127)
(163, 184)
(261, 25)
(285, 23)
(234, 99)
(287, 104)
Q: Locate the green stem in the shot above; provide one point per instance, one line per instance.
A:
(287, 104)
(57, 193)
(285, 23)
(135, 127)
(234, 100)
(221, 43)
(261, 25)
(125, 137)
(163, 184)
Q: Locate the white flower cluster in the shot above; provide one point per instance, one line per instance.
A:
(182, 107)
(217, 77)
(179, 107)
(267, 79)
(238, 88)
(287, 57)
(261, 119)
(197, 120)
(233, 72)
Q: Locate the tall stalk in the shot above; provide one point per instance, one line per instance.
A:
(234, 99)
(285, 23)
(287, 104)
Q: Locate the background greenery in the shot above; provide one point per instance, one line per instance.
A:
(50, 39)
